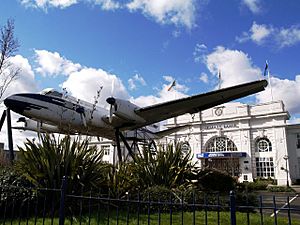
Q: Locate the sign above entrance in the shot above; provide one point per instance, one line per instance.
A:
(220, 126)
(206, 155)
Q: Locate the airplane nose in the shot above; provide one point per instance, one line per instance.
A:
(13, 103)
(8, 101)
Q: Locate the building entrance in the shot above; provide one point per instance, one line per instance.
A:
(229, 165)
(221, 154)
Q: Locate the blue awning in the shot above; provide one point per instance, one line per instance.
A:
(206, 155)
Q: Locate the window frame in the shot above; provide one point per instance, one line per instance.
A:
(263, 145)
(265, 167)
(220, 144)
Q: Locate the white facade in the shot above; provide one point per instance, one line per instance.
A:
(247, 141)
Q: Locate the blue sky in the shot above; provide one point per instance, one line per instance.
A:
(143, 45)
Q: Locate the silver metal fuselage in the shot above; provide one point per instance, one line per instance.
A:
(69, 115)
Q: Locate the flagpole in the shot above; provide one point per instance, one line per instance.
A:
(270, 85)
(173, 84)
(219, 76)
(269, 80)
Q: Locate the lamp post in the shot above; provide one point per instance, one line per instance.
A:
(286, 157)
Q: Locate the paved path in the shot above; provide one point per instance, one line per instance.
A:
(281, 202)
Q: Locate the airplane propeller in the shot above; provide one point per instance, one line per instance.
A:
(113, 107)
(112, 101)
(80, 110)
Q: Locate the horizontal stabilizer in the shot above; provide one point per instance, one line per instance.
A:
(169, 131)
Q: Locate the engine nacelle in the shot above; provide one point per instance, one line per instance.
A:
(33, 125)
(124, 109)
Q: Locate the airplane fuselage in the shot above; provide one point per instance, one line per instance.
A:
(69, 115)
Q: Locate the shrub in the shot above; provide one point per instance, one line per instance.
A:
(161, 197)
(297, 182)
(14, 190)
(280, 189)
(246, 199)
(4, 162)
(157, 194)
(215, 180)
(119, 180)
(46, 163)
(257, 185)
(169, 167)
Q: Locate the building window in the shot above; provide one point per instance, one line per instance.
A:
(220, 144)
(263, 145)
(298, 141)
(105, 149)
(264, 167)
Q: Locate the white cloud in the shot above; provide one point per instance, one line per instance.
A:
(163, 95)
(288, 36)
(107, 4)
(267, 34)
(132, 82)
(293, 120)
(82, 83)
(203, 77)
(51, 63)
(178, 12)
(199, 51)
(253, 5)
(258, 33)
(236, 67)
(19, 137)
(178, 87)
(176, 33)
(24, 83)
(286, 90)
(44, 4)
(85, 83)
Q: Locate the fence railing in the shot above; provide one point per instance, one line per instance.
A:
(56, 206)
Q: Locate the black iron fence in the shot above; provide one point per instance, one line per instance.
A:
(55, 206)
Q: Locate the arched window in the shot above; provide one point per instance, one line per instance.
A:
(263, 145)
(220, 144)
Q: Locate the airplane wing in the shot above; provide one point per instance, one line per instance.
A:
(196, 103)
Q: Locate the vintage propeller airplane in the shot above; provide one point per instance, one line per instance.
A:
(51, 111)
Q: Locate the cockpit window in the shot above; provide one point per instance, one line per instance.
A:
(51, 92)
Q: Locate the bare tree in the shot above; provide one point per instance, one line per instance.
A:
(9, 45)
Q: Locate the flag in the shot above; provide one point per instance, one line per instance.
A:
(266, 69)
(172, 85)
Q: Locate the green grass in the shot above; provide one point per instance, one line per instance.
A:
(212, 218)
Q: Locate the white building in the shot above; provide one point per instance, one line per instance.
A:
(247, 141)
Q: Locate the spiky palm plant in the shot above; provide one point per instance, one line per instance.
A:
(45, 163)
(120, 179)
(169, 167)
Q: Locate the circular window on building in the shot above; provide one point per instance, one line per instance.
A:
(263, 145)
(220, 144)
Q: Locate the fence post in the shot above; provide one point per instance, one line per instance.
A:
(232, 208)
(62, 201)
